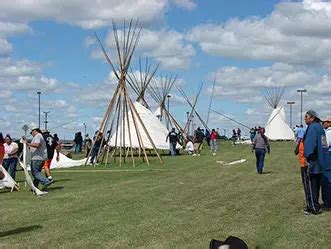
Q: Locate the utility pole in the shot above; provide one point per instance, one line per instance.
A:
(168, 122)
(46, 122)
(84, 129)
(39, 108)
(301, 91)
(291, 103)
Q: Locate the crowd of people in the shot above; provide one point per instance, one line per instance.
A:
(313, 147)
(42, 146)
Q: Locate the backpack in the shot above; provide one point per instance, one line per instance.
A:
(232, 243)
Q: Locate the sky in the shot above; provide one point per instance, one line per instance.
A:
(49, 46)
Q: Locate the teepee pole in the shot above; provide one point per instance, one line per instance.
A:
(147, 133)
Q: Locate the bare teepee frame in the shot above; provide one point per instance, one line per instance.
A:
(193, 106)
(139, 83)
(121, 107)
(273, 95)
(159, 92)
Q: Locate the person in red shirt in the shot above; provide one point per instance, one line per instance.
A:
(213, 141)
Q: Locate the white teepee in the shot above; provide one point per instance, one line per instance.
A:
(157, 131)
(277, 128)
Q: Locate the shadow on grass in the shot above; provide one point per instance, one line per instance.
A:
(50, 189)
(19, 230)
(62, 180)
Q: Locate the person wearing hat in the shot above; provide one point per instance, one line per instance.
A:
(315, 153)
(38, 156)
(326, 178)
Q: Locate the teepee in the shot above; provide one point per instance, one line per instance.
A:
(277, 128)
(193, 107)
(121, 111)
(157, 131)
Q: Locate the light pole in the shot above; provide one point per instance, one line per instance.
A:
(168, 96)
(187, 121)
(46, 122)
(290, 103)
(301, 91)
(84, 130)
(39, 108)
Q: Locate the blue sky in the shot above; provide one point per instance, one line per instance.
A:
(248, 44)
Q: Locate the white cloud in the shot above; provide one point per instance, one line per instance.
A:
(165, 46)
(186, 4)
(5, 47)
(290, 34)
(83, 13)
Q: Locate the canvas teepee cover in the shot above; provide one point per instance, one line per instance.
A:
(156, 130)
(277, 127)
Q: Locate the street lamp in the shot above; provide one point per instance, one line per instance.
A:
(301, 91)
(39, 108)
(290, 103)
(168, 96)
(84, 129)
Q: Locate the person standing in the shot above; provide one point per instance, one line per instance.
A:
(213, 140)
(326, 177)
(97, 143)
(234, 137)
(315, 152)
(52, 146)
(300, 131)
(173, 139)
(2, 148)
(198, 139)
(239, 133)
(252, 134)
(38, 156)
(10, 157)
(207, 137)
(261, 146)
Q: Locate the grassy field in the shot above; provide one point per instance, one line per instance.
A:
(182, 204)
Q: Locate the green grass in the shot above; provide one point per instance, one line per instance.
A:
(184, 205)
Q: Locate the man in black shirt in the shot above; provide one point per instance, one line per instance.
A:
(52, 146)
(173, 138)
(198, 139)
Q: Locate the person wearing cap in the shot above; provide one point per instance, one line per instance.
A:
(326, 178)
(173, 139)
(38, 156)
(52, 146)
(315, 152)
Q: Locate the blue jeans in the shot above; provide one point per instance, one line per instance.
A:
(173, 149)
(10, 163)
(38, 177)
(260, 154)
(94, 153)
(78, 148)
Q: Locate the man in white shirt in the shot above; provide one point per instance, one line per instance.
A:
(189, 147)
(10, 157)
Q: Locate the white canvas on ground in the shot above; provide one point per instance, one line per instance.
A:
(65, 162)
(277, 127)
(7, 181)
(157, 131)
